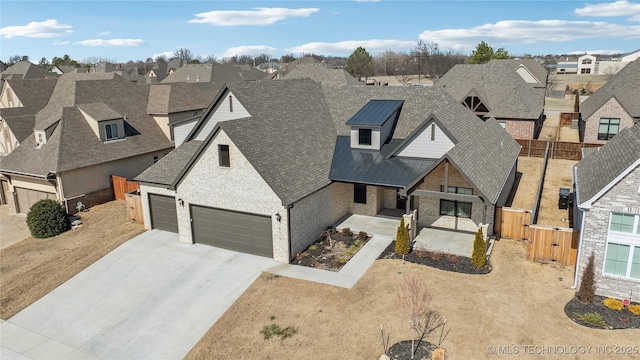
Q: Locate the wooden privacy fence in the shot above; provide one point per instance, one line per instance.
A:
(558, 149)
(134, 206)
(552, 245)
(544, 244)
(121, 186)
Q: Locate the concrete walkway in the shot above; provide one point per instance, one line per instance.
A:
(448, 242)
(13, 227)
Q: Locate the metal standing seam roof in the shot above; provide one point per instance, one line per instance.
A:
(371, 167)
(375, 112)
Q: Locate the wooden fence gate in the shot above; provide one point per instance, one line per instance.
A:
(134, 206)
(121, 186)
(512, 223)
(552, 245)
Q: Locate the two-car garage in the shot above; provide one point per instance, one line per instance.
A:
(237, 231)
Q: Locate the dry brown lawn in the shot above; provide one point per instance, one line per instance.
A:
(33, 267)
(530, 168)
(558, 175)
(519, 303)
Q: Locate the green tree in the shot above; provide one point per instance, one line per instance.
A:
(479, 257)
(402, 239)
(360, 63)
(44, 63)
(66, 60)
(484, 52)
(47, 218)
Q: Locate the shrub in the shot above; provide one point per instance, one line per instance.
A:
(346, 231)
(479, 257)
(362, 235)
(269, 331)
(613, 304)
(402, 239)
(587, 290)
(453, 259)
(591, 318)
(436, 255)
(634, 309)
(47, 218)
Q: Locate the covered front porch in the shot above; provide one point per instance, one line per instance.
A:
(444, 241)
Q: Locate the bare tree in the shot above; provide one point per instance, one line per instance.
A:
(211, 59)
(414, 301)
(184, 54)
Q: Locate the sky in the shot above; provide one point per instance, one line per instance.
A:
(136, 30)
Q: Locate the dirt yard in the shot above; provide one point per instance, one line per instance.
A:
(519, 306)
(558, 176)
(530, 167)
(33, 267)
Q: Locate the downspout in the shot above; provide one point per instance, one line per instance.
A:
(575, 277)
(289, 230)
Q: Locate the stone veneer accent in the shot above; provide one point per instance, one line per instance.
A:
(312, 215)
(238, 187)
(623, 197)
(610, 109)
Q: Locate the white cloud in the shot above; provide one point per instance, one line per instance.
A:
(621, 8)
(104, 33)
(111, 42)
(43, 29)
(248, 50)
(528, 32)
(597, 52)
(60, 42)
(345, 48)
(257, 16)
(167, 54)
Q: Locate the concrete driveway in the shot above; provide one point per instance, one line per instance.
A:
(13, 227)
(151, 298)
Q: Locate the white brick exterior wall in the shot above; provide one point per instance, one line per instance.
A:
(624, 198)
(610, 109)
(314, 213)
(238, 187)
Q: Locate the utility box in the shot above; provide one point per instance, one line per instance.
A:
(563, 199)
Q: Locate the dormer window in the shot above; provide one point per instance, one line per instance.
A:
(364, 137)
(111, 131)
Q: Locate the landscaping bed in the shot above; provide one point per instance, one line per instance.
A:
(402, 350)
(606, 318)
(333, 251)
(436, 259)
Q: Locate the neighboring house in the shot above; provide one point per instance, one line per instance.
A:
(3, 66)
(511, 94)
(586, 64)
(530, 70)
(26, 70)
(174, 64)
(210, 79)
(589, 64)
(177, 106)
(157, 73)
(94, 126)
(612, 107)
(323, 75)
(271, 164)
(61, 69)
(607, 212)
(20, 101)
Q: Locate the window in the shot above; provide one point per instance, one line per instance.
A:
(585, 71)
(364, 136)
(223, 155)
(456, 208)
(586, 61)
(39, 138)
(503, 124)
(622, 256)
(111, 131)
(230, 103)
(359, 194)
(474, 104)
(608, 128)
(155, 159)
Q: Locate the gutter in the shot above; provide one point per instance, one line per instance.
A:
(574, 174)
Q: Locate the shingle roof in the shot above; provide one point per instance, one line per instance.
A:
(601, 167)
(322, 74)
(291, 147)
(34, 95)
(177, 97)
(507, 95)
(623, 86)
(167, 169)
(73, 144)
(26, 70)
(216, 73)
(100, 111)
(534, 67)
(375, 112)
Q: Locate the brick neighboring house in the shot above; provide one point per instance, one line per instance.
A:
(511, 91)
(271, 164)
(607, 213)
(613, 107)
(93, 126)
